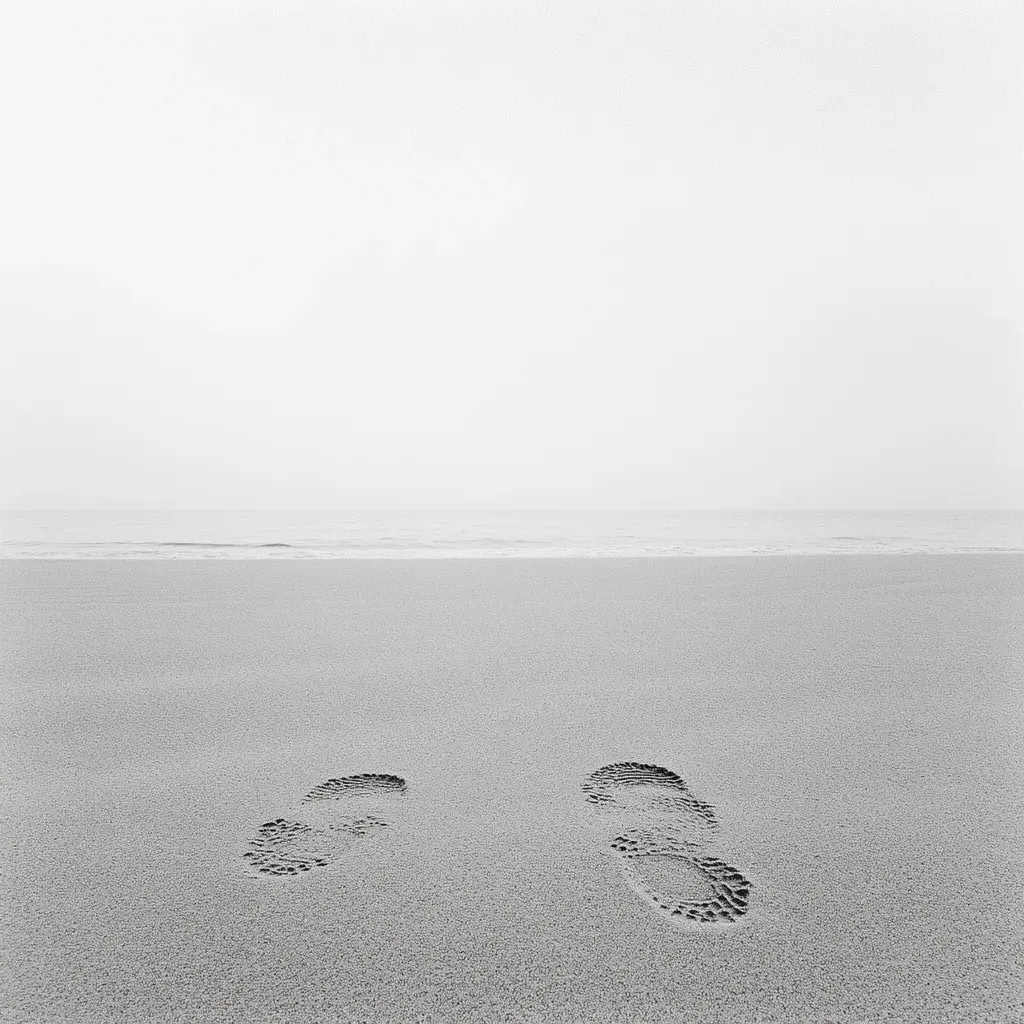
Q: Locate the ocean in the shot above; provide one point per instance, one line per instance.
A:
(498, 534)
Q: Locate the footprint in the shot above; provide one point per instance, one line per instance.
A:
(287, 847)
(356, 785)
(682, 882)
(662, 852)
(648, 789)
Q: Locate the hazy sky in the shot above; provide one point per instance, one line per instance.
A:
(325, 253)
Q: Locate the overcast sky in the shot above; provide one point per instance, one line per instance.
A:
(381, 253)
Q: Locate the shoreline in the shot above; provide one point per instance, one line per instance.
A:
(450, 556)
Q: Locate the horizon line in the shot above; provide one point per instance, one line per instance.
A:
(508, 509)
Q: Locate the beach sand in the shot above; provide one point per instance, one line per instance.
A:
(852, 723)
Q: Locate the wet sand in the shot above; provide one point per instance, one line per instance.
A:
(852, 723)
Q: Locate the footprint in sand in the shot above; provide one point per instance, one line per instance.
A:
(335, 815)
(661, 829)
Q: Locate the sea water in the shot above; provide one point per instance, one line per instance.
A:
(497, 534)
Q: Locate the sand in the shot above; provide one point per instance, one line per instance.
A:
(852, 723)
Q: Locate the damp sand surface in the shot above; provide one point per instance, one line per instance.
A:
(443, 791)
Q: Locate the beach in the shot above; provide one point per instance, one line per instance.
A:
(854, 721)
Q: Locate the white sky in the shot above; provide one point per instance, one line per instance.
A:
(377, 253)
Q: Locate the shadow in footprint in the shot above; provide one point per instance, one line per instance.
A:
(661, 853)
(285, 847)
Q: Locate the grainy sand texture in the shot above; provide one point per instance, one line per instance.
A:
(737, 790)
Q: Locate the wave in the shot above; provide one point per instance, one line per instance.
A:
(212, 544)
